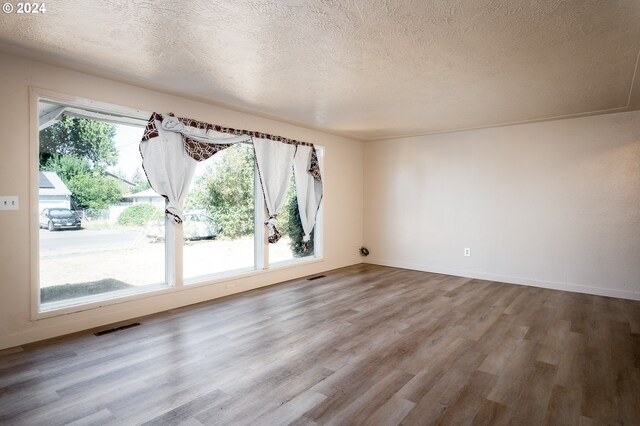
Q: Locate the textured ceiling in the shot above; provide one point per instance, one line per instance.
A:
(368, 69)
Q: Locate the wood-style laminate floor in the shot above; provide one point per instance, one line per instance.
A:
(366, 345)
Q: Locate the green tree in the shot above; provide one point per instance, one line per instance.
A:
(67, 166)
(94, 192)
(78, 150)
(89, 187)
(225, 191)
(79, 137)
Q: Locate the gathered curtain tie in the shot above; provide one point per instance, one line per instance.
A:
(274, 234)
(173, 209)
(172, 124)
(305, 243)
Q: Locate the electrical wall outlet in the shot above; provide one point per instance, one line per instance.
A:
(9, 202)
(467, 252)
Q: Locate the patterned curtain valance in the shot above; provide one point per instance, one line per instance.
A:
(201, 151)
(171, 147)
(151, 130)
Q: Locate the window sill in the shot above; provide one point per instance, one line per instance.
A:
(54, 309)
(234, 275)
(79, 304)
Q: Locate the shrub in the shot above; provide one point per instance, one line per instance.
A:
(139, 215)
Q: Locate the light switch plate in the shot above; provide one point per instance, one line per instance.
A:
(9, 202)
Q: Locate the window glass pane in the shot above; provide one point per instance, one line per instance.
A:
(290, 246)
(94, 207)
(218, 229)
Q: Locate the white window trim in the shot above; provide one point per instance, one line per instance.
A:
(173, 241)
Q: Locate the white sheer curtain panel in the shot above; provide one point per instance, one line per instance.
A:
(169, 168)
(309, 191)
(274, 161)
(169, 162)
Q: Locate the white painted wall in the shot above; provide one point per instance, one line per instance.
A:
(553, 204)
(343, 202)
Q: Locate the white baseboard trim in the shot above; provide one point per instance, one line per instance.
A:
(553, 285)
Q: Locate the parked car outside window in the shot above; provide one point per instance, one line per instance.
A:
(194, 227)
(59, 218)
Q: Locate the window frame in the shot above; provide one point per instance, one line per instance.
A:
(174, 243)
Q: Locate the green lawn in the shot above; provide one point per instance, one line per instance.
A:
(71, 291)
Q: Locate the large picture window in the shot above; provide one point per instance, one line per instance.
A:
(103, 234)
(91, 209)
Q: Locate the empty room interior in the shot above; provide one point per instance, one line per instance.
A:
(313, 212)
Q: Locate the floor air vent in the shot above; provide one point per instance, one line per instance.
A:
(113, 330)
(317, 277)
